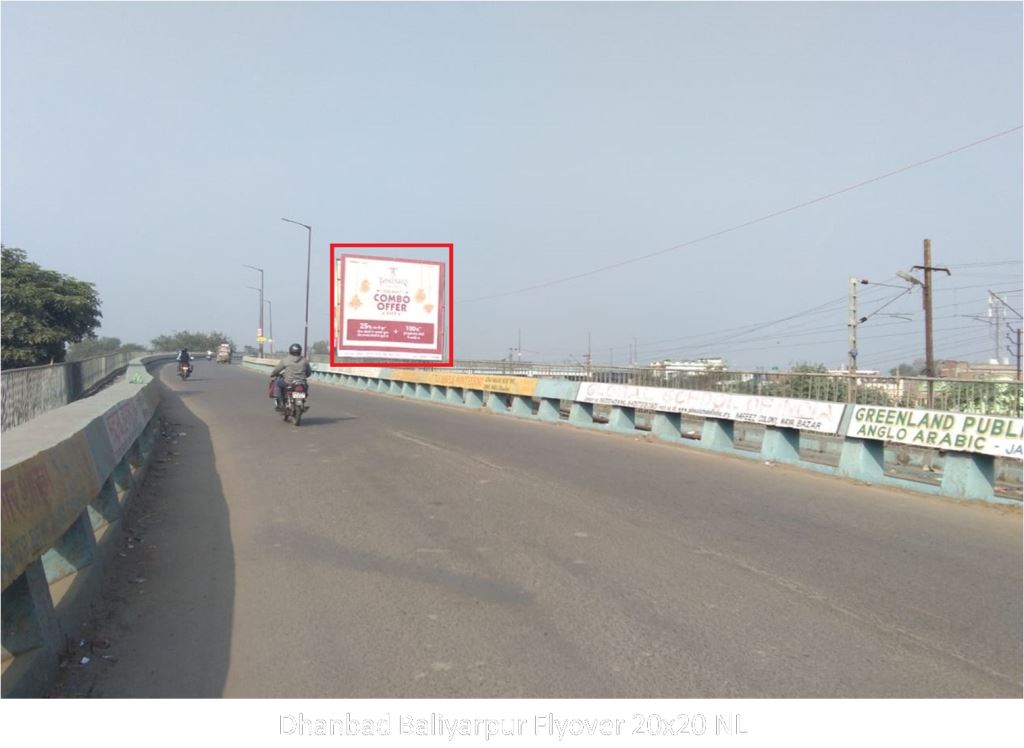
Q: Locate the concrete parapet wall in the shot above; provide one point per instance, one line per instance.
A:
(822, 449)
(29, 392)
(65, 475)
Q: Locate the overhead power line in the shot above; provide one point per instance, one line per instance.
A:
(745, 224)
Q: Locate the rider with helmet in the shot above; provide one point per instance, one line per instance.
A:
(292, 369)
(184, 359)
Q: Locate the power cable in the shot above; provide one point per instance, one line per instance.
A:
(745, 224)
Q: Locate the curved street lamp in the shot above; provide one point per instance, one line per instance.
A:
(260, 289)
(309, 245)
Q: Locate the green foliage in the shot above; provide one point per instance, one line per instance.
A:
(807, 382)
(100, 347)
(993, 398)
(908, 370)
(43, 311)
(195, 341)
(319, 347)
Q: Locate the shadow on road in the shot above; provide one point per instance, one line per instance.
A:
(165, 611)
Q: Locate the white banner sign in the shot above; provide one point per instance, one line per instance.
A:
(389, 308)
(811, 415)
(999, 436)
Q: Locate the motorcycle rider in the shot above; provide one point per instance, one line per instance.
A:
(294, 368)
(184, 358)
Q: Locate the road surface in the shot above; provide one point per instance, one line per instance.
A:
(391, 548)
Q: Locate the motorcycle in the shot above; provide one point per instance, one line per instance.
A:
(295, 402)
(184, 370)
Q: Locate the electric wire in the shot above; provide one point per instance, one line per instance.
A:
(745, 224)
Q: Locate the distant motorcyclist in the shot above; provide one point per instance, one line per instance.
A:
(184, 360)
(209, 355)
(293, 368)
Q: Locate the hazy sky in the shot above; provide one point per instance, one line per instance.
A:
(153, 148)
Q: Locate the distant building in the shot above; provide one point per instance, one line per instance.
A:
(697, 366)
(966, 370)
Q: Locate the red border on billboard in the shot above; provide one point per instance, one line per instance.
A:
(387, 363)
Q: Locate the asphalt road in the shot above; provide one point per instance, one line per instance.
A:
(391, 548)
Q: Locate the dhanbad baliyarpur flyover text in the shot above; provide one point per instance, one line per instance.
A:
(549, 725)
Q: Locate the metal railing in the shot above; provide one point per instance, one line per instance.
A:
(990, 397)
(34, 390)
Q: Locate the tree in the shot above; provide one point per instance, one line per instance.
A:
(43, 311)
(100, 347)
(908, 370)
(320, 347)
(194, 341)
(808, 382)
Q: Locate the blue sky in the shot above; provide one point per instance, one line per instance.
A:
(153, 148)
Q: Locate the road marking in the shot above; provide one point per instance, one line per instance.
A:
(439, 448)
(862, 617)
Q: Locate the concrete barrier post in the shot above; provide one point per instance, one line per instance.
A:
(667, 426)
(968, 476)
(781, 444)
(863, 459)
(522, 406)
(581, 414)
(28, 618)
(75, 550)
(622, 419)
(496, 403)
(422, 391)
(454, 396)
(718, 435)
(549, 410)
(474, 398)
(105, 509)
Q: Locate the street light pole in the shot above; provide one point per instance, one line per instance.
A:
(309, 249)
(261, 306)
(270, 314)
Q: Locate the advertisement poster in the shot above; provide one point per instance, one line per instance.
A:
(389, 308)
(769, 411)
(999, 436)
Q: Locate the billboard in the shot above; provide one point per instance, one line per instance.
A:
(769, 411)
(999, 436)
(388, 308)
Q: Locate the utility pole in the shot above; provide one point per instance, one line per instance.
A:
(1014, 349)
(588, 357)
(519, 345)
(852, 322)
(996, 311)
(929, 351)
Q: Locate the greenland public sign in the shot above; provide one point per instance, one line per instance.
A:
(999, 436)
(784, 412)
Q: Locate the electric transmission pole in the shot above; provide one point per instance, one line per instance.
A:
(929, 351)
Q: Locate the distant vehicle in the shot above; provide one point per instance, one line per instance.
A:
(224, 353)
